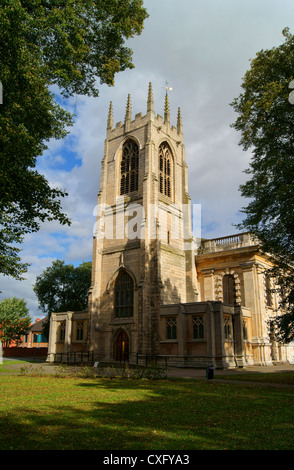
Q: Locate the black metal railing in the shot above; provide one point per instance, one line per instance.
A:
(75, 357)
(140, 359)
(187, 361)
(145, 359)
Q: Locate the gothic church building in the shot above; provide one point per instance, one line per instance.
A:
(156, 291)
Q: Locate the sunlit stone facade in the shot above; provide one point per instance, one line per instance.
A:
(157, 292)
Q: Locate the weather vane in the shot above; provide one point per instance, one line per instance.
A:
(168, 88)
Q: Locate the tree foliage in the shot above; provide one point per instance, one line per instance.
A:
(62, 287)
(69, 44)
(266, 123)
(14, 320)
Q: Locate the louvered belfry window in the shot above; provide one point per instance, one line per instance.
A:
(165, 169)
(129, 168)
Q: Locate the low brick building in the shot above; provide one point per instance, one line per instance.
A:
(35, 337)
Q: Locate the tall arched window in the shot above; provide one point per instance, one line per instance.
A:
(80, 331)
(129, 168)
(165, 169)
(229, 291)
(268, 292)
(61, 331)
(124, 295)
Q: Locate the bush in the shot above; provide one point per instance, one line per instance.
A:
(155, 372)
(61, 370)
(86, 372)
(31, 370)
(151, 372)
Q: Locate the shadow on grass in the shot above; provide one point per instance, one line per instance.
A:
(164, 415)
(282, 377)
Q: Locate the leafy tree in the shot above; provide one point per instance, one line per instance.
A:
(62, 287)
(266, 122)
(14, 320)
(68, 44)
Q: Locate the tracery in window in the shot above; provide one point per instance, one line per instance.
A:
(171, 328)
(124, 295)
(129, 167)
(165, 169)
(61, 331)
(198, 326)
(228, 327)
(80, 331)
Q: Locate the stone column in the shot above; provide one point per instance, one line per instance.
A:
(52, 338)
(68, 332)
(182, 336)
(266, 358)
(238, 336)
(210, 333)
(219, 335)
(252, 301)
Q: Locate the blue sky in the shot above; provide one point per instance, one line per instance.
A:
(202, 49)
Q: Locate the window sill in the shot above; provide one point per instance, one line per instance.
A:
(131, 196)
(165, 199)
(194, 340)
(122, 320)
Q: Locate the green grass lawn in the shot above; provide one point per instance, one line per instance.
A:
(45, 412)
(286, 378)
(5, 366)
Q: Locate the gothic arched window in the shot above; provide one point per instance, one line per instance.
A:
(61, 331)
(80, 331)
(165, 169)
(124, 295)
(129, 169)
(229, 291)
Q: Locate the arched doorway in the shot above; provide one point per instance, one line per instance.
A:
(122, 347)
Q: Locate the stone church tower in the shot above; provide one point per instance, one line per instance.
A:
(152, 293)
(143, 254)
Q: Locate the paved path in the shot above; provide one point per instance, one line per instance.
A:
(200, 374)
(197, 373)
(175, 372)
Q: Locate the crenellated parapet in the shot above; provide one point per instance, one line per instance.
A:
(161, 123)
